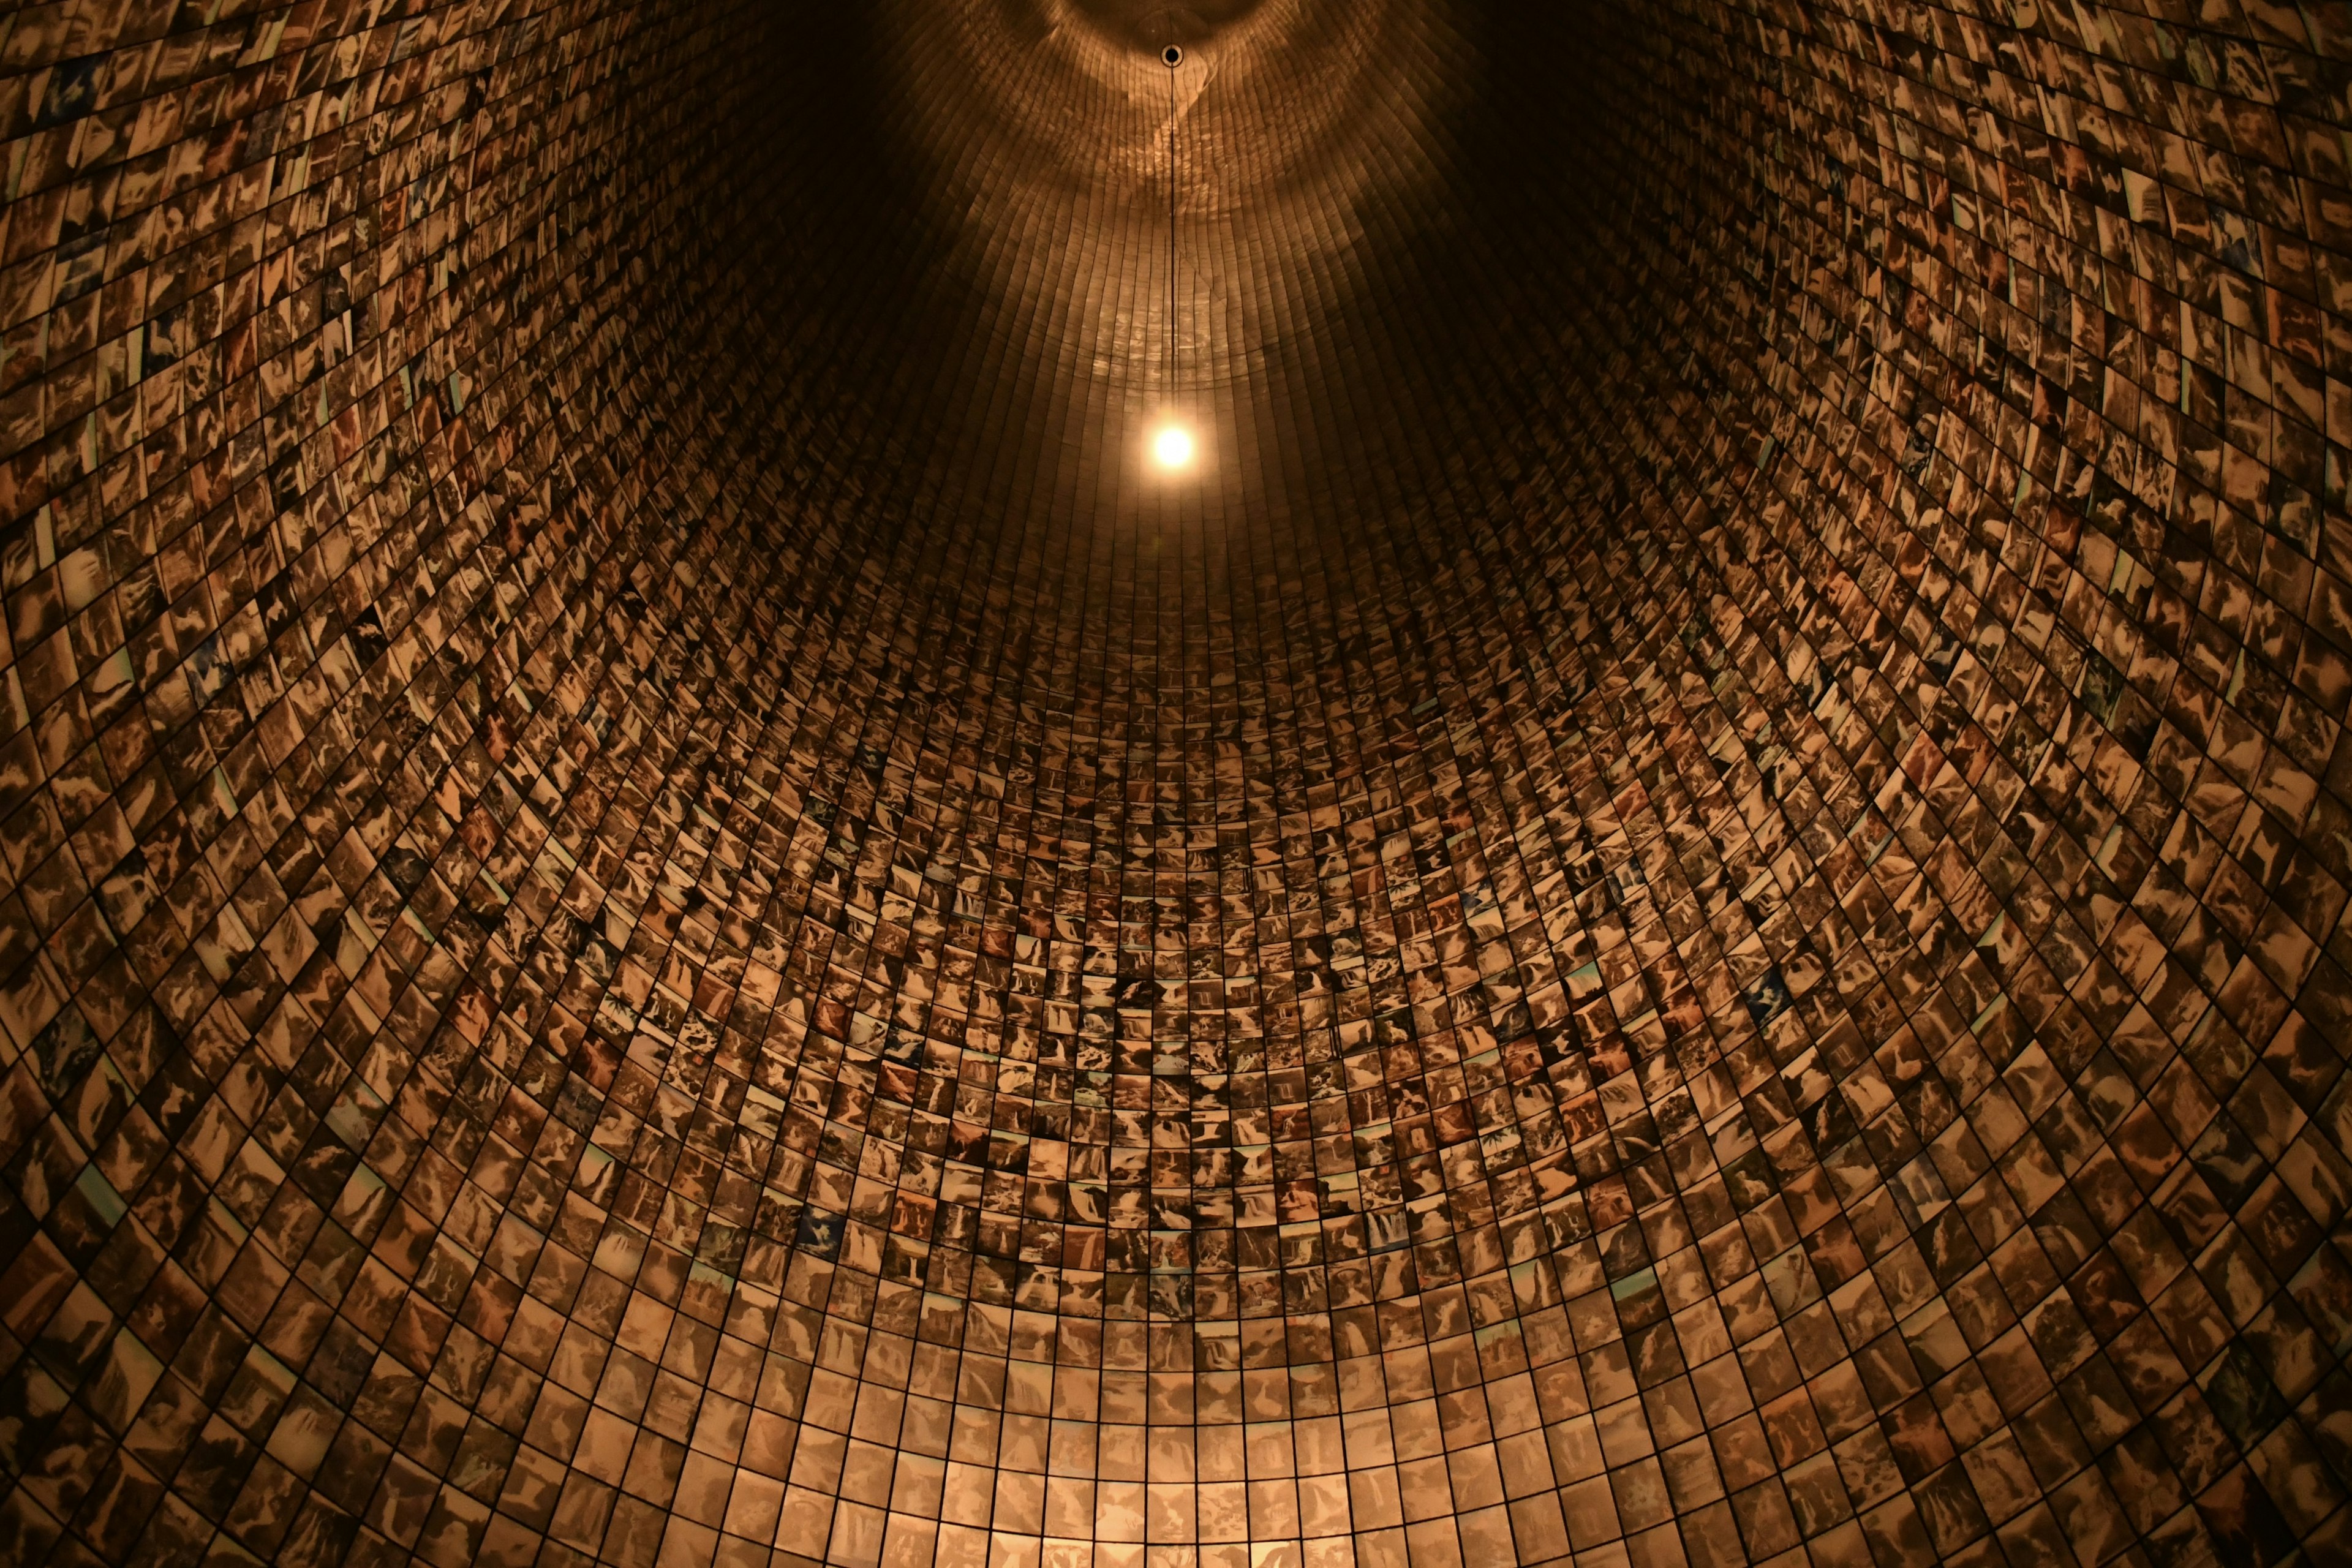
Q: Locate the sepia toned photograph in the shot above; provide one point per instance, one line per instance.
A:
(1175, 784)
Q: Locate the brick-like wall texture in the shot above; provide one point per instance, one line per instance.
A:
(1685, 904)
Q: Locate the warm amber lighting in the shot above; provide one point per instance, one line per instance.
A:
(1171, 446)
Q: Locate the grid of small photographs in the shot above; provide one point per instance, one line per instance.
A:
(1759, 975)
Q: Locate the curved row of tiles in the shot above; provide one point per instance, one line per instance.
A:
(1690, 909)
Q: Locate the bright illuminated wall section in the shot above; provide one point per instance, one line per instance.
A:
(1685, 903)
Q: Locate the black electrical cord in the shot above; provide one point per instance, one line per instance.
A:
(1173, 56)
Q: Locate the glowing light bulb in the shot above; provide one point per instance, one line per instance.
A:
(1171, 446)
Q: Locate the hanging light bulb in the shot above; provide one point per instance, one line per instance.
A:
(1173, 447)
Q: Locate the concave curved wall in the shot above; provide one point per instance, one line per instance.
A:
(1687, 906)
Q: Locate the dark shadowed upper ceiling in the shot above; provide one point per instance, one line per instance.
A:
(981, 196)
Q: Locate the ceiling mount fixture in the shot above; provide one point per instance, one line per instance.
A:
(1172, 445)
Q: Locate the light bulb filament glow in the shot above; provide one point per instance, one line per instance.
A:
(1171, 446)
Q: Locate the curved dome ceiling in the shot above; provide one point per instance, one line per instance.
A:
(1687, 904)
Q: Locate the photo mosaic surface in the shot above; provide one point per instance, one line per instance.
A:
(1687, 906)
